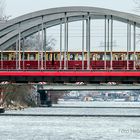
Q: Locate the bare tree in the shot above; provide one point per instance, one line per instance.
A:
(3, 16)
(34, 42)
(2, 9)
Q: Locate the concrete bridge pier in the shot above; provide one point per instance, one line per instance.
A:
(45, 97)
(2, 110)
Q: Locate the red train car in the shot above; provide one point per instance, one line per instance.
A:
(11, 60)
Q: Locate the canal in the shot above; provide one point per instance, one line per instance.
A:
(46, 127)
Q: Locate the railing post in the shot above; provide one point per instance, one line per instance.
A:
(111, 46)
(105, 44)
(16, 54)
(42, 43)
(66, 42)
(108, 35)
(83, 29)
(134, 41)
(45, 46)
(128, 42)
(23, 56)
(88, 41)
(60, 44)
(19, 47)
(38, 48)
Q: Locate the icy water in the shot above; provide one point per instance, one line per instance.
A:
(73, 128)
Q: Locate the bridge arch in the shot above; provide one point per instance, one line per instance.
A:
(33, 22)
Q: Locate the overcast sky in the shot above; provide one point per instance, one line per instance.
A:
(20, 7)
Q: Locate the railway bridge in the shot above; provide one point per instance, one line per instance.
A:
(88, 65)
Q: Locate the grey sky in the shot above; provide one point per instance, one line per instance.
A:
(20, 7)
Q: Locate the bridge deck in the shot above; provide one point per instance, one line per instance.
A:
(92, 87)
(71, 73)
(70, 76)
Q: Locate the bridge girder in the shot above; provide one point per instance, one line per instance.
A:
(92, 87)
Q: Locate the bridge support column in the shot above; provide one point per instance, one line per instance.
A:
(128, 42)
(60, 44)
(105, 43)
(1, 98)
(108, 34)
(45, 48)
(88, 41)
(108, 42)
(66, 43)
(111, 45)
(16, 54)
(134, 41)
(19, 48)
(23, 56)
(38, 49)
(83, 29)
(42, 43)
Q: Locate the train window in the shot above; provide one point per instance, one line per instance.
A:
(121, 57)
(44, 57)
(136, 57)
(25, 56)
(108, 57)
(40, 57)
(103, 57)
(72, 56)
(56, 56)
(94, 57)
(115, 57)
(5, 57)
(125, 57)
(49, 57)
(131, 56)
(100, 56)
(53, 56)
(11, 56)
(62, 57)
(79, 57)
(22, 56)
(32, 56)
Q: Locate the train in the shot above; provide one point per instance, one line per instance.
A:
(10, 60)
